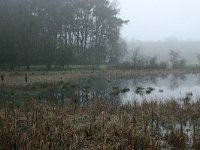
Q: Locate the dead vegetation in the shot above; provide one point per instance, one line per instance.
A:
(17, 78)
(147, 125)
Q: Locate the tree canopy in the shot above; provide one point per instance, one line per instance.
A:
(58, 32)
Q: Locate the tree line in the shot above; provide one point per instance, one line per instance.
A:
(137, 60)
(59, 32)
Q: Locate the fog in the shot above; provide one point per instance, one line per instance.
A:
(159, 26)
(85, 32)
(186, 48)
(160, 19)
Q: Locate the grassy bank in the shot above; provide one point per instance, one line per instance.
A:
(147, 125)
(18, 77)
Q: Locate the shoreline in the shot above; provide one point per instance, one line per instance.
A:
(18, 78)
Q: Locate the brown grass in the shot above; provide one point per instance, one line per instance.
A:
(146, 125)
(18, 78)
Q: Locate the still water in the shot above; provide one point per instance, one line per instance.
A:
(163, 87)
(114, 89)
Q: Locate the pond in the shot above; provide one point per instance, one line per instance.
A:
(139, 88)
(115, 89)
(173, 86)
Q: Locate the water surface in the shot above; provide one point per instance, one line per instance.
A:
(110, 89)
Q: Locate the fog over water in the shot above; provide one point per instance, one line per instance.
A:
(160, 19)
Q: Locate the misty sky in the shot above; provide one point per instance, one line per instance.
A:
(161, 19)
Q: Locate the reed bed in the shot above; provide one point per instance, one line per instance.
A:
(147, 125)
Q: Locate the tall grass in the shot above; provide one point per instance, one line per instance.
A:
(146, 125)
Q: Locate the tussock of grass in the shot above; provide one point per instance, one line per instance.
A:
(146, 125)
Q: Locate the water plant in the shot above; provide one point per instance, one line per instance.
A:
(115, 91)
(124, 90)
(149, 90)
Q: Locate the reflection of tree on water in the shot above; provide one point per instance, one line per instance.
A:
(86, 96)
(163, 76)
(174, 80)
(198, 77)
(182, 76)
(149, 79)
(138, 80)
(99, 89)
(153, 79)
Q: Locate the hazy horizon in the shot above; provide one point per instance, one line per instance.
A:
(187, 49)
(159, 20)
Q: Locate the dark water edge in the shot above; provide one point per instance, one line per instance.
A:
(111, 89)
